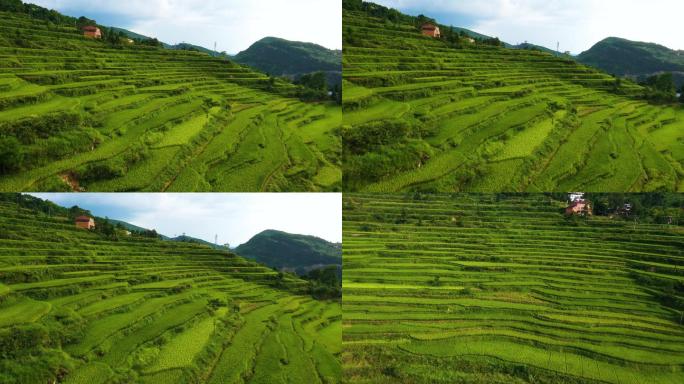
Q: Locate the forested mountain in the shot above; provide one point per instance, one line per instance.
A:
(286, 251)
(280, 57)
(634, 59)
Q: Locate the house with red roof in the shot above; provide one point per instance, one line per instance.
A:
(431, 30)
(85, 222)
(92, 32)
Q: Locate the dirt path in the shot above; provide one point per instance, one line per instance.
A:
(70, 179)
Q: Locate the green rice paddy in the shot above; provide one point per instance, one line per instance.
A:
(89, 116)
(469, 288)
(78, 308)
(421, 114)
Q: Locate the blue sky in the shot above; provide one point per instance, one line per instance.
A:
(234, 217)
(233, 24)
(575, 24)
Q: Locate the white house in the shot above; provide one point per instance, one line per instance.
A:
(575, 196)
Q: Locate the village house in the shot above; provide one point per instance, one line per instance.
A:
(625, 210)
(85, 222)
(92, 32)
(575, 196)
(579, 207)
(431, 30)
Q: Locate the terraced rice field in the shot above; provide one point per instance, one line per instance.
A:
(76, 308)
(480, 118)
(96, 117)
(486, 289)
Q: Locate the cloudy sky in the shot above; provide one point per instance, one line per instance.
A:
(234, 217)
(234, 25)
(575, 24)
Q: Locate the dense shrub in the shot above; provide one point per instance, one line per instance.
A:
(21, 339)
(102, 171)
(32, 129)
(11, 155)
(368, 136)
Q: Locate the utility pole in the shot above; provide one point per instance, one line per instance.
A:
(214, 49)
(557, 48)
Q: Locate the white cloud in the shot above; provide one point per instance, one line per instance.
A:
(233, 24)
(576, 24)
(234, 217)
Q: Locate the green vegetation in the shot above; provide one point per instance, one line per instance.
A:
(465, 114)
(478, 288)
(634, 59)
(280, 57)
(80, 114)
(290, 252)
(661, 88)
(79, 307)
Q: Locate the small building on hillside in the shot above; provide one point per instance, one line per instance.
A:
(431, 30)
(85, 222)
(575, 196)
(92, 32)
(579, 207)
(625, 210)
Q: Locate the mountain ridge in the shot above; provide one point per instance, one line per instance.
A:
(280, 57)
(291, 252)
(634, 59)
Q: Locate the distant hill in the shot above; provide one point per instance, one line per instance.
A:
(132, 227)
(290, 252)
(131, 34)
(634, 59)
(182, 238)
(280, 57)
(190, 239)
(535, 47)
(180, 46)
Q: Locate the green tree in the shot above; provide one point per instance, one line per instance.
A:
(11, 155)
(107, 229)
(314, 86)
(84, 22)
(11, 6)
(660, 88)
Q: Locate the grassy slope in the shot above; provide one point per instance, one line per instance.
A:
(136, 310)
(467, 106)
(168, 106)
(472, 288)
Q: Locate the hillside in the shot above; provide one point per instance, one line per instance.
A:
(286, 251)
(280, 57)
(131, 227)
(473, 288)
(83, 114)
(190, 239)
(437, 115)
(78, 308)
(634, 59)
(181, 46)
